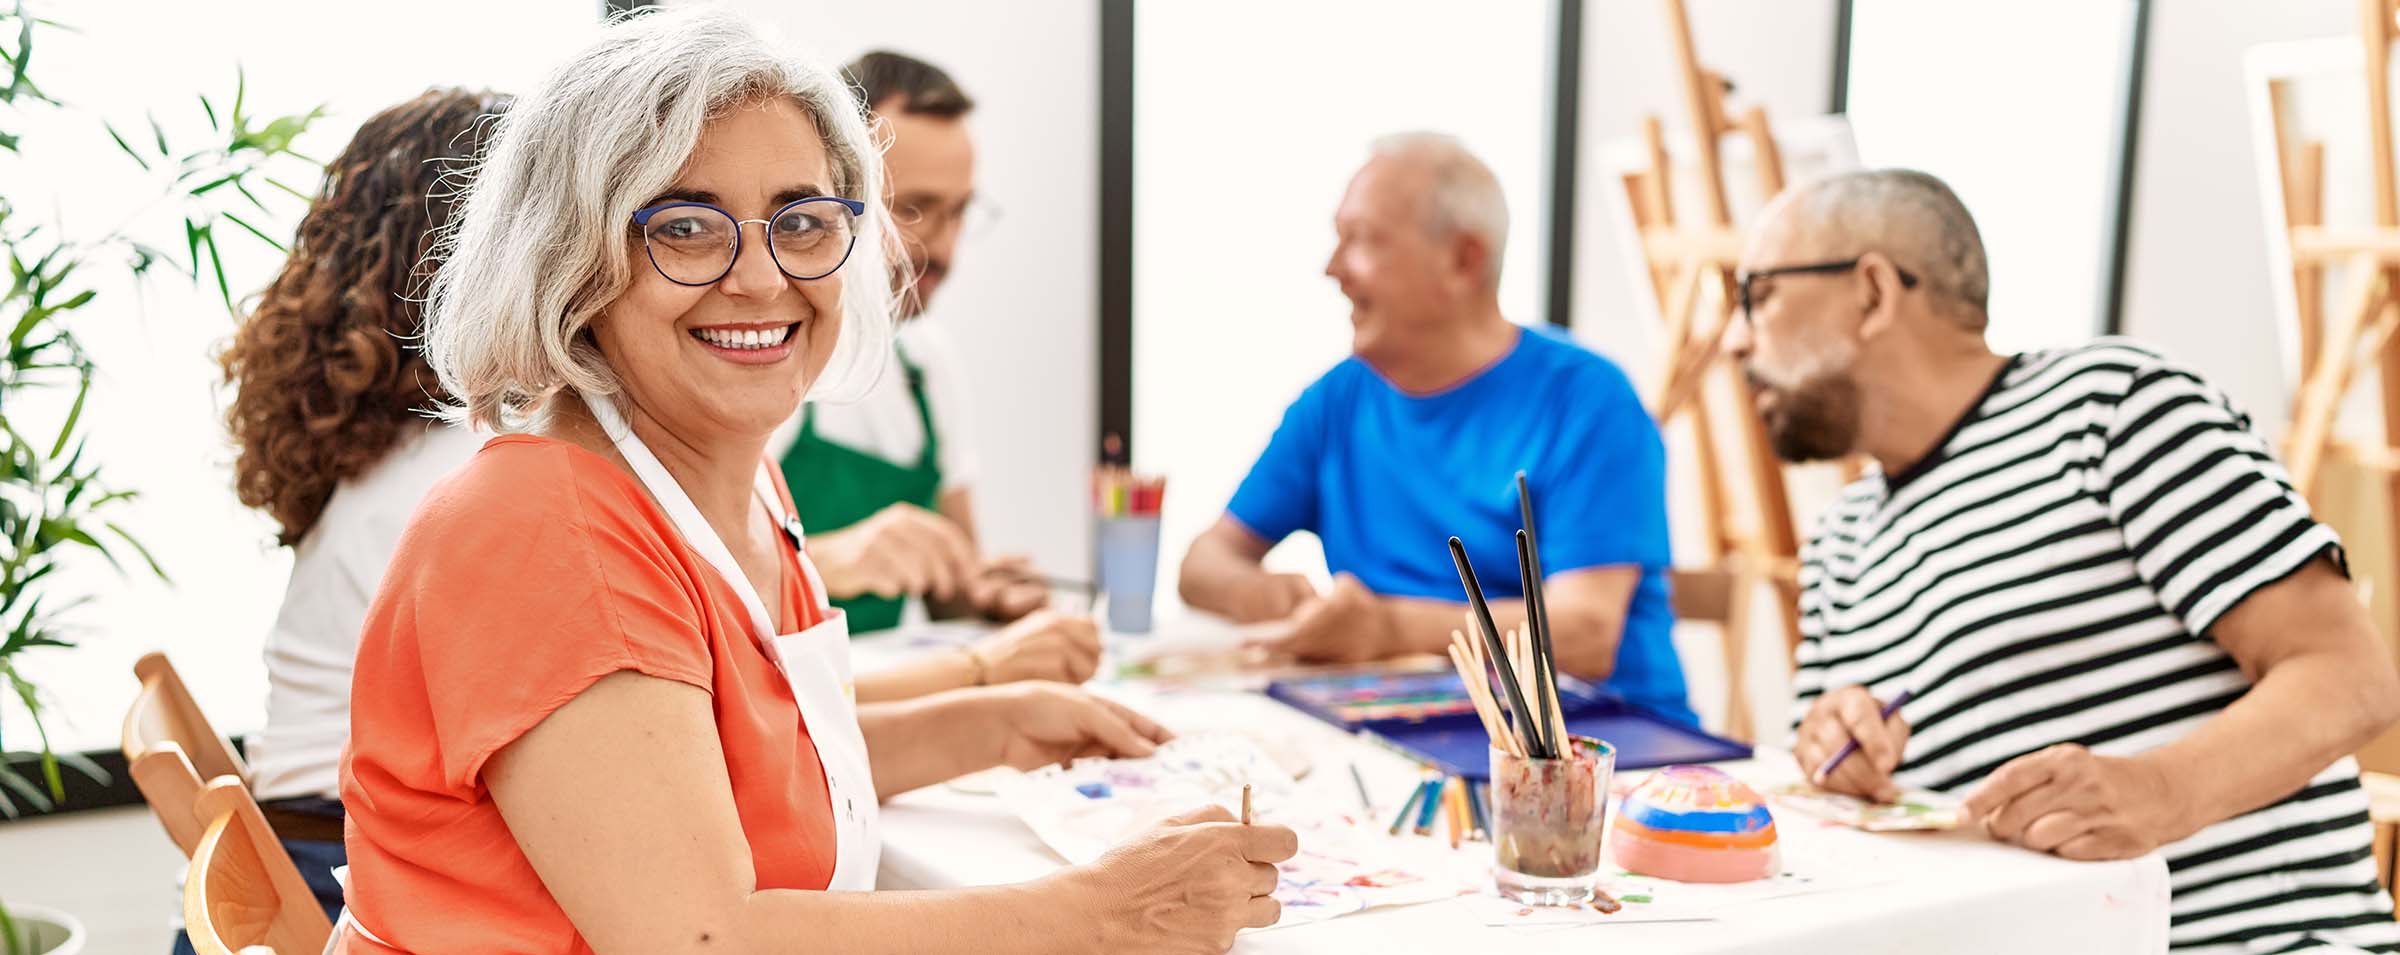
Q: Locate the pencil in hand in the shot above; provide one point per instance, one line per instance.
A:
(1245, 804)
(1825, 772)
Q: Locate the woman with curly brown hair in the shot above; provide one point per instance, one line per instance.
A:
(332, 415)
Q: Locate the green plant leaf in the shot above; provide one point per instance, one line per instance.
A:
(220, 181)
(288, 190)
(83, 765)
(191, 238)
(24, 790)
(241, 87)
(11, 940)
(254, 230)
(216, 260)
(210, 110)
(122, 144)
(239, 187)
(24, 57)
(138, 550)
(160, 136)
(74, 414)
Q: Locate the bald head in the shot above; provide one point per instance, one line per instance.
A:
(1909, 216)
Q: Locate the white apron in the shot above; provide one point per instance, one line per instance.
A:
(815, 661)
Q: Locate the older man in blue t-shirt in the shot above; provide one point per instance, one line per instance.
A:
(1417, 437)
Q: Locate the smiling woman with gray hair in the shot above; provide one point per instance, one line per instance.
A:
(600, 703)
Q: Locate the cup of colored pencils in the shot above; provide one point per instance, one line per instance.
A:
(1548, 803)
(1127, 506)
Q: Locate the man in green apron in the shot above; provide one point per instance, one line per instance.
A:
(882, 484)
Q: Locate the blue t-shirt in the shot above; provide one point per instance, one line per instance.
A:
(1386, 478)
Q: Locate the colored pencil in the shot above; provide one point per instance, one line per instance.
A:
(1826, 771)
(1400, 821)
(1479, 807)
(1491, 639)
(1458, 812)
(1433, 803)
(1245, 804)
(1365, 802)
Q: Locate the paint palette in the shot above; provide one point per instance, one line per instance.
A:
(1429, 714)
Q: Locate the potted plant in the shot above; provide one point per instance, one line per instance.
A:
(55, 507)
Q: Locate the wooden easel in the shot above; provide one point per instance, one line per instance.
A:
(1682, 256)
(2330, 355)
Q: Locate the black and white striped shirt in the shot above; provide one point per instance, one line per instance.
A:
(2047, 575)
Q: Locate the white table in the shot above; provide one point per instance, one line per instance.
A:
(1955, 892)
(1951, 893)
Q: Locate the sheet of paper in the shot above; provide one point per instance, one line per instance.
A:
(1917, 811)
(1346, 863)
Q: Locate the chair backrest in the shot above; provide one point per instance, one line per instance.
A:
(170, 748)
(1722, 596)
(2383, 806)
(243, 892)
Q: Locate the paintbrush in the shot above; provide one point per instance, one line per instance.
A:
(1537, 603)
(1533, 598)
(1491, 641)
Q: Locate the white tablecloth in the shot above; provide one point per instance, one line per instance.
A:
(1952, 893)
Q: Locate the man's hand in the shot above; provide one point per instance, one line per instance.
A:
(904, 549)
(1273, 597)
(1845, 714)
(1348, 625)
(2068, 800)
(1007, 588)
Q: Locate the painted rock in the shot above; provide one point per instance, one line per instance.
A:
(1695, 824)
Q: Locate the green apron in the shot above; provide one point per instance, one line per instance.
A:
(835, 486)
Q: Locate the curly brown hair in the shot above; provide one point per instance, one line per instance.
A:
(325, 381)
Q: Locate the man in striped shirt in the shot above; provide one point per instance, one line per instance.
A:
(2119, 628)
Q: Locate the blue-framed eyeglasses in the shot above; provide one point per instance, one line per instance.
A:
(695, 243)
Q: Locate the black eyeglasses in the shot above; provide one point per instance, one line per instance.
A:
(1747, 280)
(695, 243)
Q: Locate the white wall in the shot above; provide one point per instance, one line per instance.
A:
(1021, 303)
(2016, 106)
(155, 416)
(2197, 284)
(1250, 117)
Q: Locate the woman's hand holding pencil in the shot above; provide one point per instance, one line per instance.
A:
(1186, 886)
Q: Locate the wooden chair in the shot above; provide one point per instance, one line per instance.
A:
(170, 749)
(244, 896)
(1722, 595)
(2383, 806)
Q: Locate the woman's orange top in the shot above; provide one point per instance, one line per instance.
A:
(534, 571)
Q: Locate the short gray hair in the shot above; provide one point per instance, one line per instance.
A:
(1466, 196)
(538, 248)
(1909, 215)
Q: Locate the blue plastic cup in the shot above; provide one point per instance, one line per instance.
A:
(1128, 549)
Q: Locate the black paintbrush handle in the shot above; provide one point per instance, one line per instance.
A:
(1541, 689)
(1545, 650)
(1491, 639)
